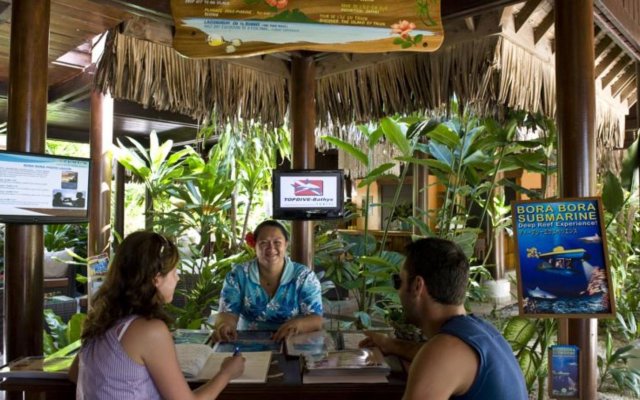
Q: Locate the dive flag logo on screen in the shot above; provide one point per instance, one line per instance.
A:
(308, 187)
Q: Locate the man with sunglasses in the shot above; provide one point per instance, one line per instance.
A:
(465, 357)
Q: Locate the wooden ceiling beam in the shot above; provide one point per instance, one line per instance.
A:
(611, 56)
(629, 89)
(73, 90)
(602, 45)
(613, 13)
(544, 26)
(525, 13)
(631, 100)
(622, 62)
(454, 9)
(624, 80)
(470, 23)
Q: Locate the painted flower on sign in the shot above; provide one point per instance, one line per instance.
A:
(231, 46)
(279, 4)
(403, 28)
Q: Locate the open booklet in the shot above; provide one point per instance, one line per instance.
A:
(199, 362)
(38, 367)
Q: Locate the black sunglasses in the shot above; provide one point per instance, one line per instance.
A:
(397, 281)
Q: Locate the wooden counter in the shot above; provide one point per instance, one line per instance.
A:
(284, 387)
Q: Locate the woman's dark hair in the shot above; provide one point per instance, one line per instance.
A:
(129, 285)
(443, 266)
(271, 223)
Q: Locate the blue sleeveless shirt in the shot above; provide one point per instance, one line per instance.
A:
(499, 376)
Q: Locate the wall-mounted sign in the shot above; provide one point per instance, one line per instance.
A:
(232, 28)
(563, 269)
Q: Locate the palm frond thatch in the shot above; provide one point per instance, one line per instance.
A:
(486, 73)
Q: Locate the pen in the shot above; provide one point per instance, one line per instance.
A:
(236, 352)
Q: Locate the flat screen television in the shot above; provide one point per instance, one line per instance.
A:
(43, 189)
(308, 194)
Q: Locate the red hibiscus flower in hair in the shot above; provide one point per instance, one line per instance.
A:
(250, 240)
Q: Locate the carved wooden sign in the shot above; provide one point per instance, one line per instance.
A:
(234, 28)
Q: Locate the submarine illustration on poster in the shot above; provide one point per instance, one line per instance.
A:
(560, 272)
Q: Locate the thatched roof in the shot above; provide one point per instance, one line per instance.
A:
(486, 71)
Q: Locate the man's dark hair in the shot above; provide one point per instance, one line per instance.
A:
(443, 266)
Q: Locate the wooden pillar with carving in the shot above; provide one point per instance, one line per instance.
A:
(303, 123)
(101, 137)
(575, 90)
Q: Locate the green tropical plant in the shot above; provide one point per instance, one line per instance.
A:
(622, 218)
(613, 365)
(61, 334)
(157, 168)
(366, 264)
(530, 340)
(201, 195)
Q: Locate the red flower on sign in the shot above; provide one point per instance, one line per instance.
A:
(279, 4)
(250, 240)
(403, 28)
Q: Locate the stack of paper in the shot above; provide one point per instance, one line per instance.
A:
(358, 366)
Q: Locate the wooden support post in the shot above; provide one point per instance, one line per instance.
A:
(303, 124)
(119, 206)
(575, 90)
(26, 127)
(101, 158)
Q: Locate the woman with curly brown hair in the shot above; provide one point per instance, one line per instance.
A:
(127, 350)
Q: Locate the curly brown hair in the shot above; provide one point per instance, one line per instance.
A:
(129, 285)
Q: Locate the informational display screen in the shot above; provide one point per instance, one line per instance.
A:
(39, 188)
(308, 194)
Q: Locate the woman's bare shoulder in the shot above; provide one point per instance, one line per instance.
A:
(147, 332)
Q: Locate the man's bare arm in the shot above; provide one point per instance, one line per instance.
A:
(402, 348)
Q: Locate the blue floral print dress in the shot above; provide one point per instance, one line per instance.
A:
(298, 295)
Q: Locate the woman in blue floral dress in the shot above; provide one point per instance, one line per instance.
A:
(270, 292)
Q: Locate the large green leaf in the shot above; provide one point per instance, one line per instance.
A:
(444, 135)
(527, 363)
(74, 327)
(518, 332)
(427, 162)
(612, 194)
(375, 174)
(348, 148)
(395, 132)
(630, 164)
(470, 138)
(442, 153)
